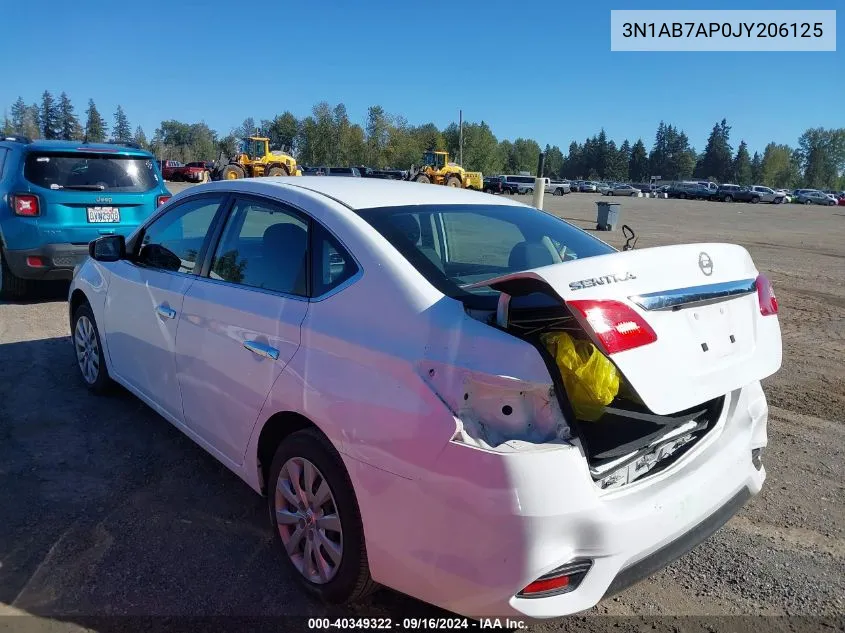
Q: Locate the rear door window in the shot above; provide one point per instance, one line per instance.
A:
(264, 245)
(90, 172)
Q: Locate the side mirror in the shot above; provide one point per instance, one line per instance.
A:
(109, 248)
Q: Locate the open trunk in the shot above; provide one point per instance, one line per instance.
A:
(684, 325)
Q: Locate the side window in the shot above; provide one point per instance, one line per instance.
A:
(263, 246)
(331, 263)
(494, 250)
(173, 242)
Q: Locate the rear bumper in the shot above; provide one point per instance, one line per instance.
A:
(484, 525)
(58, 259)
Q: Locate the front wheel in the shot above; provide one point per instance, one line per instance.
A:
(729, 199)
(558, 191)
(755, 200)
(89, 350)
(276, 171)
(453, 181)
(529, 192)
(232, 172)
(831, 203)
(806, 202)
(316, 520)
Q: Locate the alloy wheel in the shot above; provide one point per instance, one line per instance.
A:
(87, 349)
(308, 520)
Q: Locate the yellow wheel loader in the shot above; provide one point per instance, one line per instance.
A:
(438, 170)
(255, 160)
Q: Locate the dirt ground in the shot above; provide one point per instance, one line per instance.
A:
(107, 510)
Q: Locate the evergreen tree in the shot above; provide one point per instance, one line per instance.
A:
(717, 159)
(140, 138)
(756, 169)
(638, 163)
(20, 111)
(742, 165)
(71, 130)
(50, 117)
(95, 126)
(8, 128)
(32, 122)
(122, 132)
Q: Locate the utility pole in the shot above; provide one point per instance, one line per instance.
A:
(461, 150)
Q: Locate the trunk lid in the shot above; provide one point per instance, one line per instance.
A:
(700, 300)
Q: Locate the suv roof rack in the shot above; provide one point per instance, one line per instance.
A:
(17, 138)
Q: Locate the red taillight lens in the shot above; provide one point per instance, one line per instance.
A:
(26, 205)
(616, 326)
(545, 586)
(162, 199)
(35, 262)
(766, 296)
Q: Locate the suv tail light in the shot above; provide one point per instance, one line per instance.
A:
(26, 205)
(162, 199)
(616, 326)
(766, 296)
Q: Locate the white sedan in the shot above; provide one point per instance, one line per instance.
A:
(368, 355)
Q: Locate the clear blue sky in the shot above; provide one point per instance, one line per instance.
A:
(221, 62)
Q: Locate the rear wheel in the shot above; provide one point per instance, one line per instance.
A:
(831, 203)
(453, 181)
(529, 192)
(232, 172)
(316, 520)
(755, 200)
(682, 196)
(558, 191)
(277, 171)
(806, 202)
(423, 179)
(11, 286)
(729, 199)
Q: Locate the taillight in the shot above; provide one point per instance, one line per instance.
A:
(26, 205)
(616, 326)
(766, 296)
(564, 579)
(161, 200)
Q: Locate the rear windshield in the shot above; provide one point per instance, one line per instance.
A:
(94, 172)
(453, 246)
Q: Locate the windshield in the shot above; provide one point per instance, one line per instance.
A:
(109, 172)
(453, 246)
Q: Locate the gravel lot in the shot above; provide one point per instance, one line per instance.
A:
(108, 510)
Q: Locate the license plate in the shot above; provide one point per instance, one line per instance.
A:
(103, 214)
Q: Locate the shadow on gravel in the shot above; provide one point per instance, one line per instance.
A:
(42, 292)
(108, 511)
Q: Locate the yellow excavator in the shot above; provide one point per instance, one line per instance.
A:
(254, 160)
(438, 170)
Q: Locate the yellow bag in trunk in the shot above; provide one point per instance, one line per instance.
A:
(591, 380)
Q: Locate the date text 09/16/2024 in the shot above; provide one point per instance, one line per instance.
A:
(414, 624)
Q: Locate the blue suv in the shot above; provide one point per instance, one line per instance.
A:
(57, 196)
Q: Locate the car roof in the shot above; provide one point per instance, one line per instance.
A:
(42, 145)
(366, 193)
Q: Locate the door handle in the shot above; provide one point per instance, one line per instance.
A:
(164, 311)
(262, 350)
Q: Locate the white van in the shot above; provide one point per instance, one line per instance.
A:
(524, 184)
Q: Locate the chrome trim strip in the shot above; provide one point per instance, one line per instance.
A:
(694, 295)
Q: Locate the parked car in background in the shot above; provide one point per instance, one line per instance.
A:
(559, 187)
(786, 193)
(59, 195)
(727, 192)
(197, 171)
(841, 201)
(588, 186)
(604, 187)
(385, 386)
(492, 184)
(169, 168)
(760, 193)
(815, 197)
(624, 190)
(691, 191)
(518, 183)
(346, 172)
(315, 171)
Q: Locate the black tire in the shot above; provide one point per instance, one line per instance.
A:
(558, 192)
(232, 172)
(277, 171)
(423, 179)
(352, 580)
(529, 192)
(103, 381)
(755, 200)
(453, 181)
(807, 202)
(11, 286)
(831, 203)
(682, 196)
(729, 199)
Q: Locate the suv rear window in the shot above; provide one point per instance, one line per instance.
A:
(92, 171)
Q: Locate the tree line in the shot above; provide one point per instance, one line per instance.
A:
(327, 136)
